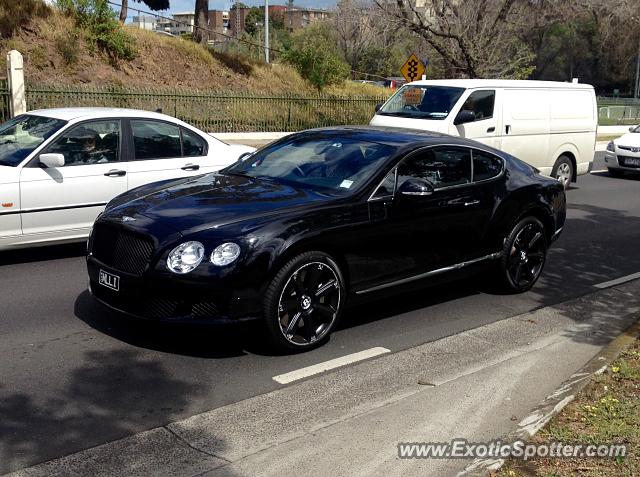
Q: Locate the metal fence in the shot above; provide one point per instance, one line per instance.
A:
(218, 112)
(5, 112)
(618, 111)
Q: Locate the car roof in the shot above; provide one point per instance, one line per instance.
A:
(392, 136)
(498, 83)
(69, 114)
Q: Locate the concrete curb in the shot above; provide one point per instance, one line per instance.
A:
(556, 402)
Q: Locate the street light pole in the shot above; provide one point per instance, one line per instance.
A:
(266, 30)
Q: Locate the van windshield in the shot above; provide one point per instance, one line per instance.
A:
(422, 102)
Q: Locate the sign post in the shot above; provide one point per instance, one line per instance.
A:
(413, 69)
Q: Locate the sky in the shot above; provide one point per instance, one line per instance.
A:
(189, 5)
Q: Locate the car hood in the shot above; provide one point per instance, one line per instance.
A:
(213, 201)
(9, 175)
(629, 139)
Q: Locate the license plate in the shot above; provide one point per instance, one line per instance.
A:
(632, 161)
(109, 280)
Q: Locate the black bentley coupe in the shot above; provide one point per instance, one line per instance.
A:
(293, 231)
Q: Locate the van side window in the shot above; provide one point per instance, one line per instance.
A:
(481, 104)
(442, 166)
(485, 166)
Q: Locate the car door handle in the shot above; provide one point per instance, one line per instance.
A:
(115, 173)
(190, 167)
(507, 129)
(491, 129)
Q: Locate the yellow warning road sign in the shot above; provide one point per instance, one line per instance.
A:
(413, 69)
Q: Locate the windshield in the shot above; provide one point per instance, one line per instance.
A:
(422, 102)
(336, 163)
(20, 136)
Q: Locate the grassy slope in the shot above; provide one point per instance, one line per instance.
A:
(162, 62)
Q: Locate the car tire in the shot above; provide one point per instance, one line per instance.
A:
(615, 172)
(523, 256)
(303, 302)
(563, 171)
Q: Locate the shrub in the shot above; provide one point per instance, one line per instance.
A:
(311, 54)
(68, 47)
(101, 27)
(15, 14)
(238, 63)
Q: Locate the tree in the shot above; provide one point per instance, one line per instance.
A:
(474, 38)
(312, 53)
(254, 19)
(154, 5)
(200, 34)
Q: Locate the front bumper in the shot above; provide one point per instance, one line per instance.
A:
(171, 298)
(617, 160)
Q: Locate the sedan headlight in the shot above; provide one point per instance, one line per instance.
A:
(225, 254)
(611, 147)
(185, 257)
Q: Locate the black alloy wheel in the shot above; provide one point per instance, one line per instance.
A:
(303, 302)
(524, 255)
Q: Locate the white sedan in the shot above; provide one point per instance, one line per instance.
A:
(623, 154)
(59, 167)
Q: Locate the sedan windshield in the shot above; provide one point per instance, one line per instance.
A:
(331, 162)
(20, 136)
(422, 102)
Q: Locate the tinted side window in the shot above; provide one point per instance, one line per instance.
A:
(192, 144)
(386, 187)
(481, 103)
(155, 140)
(485, 166)
(442, 166)
(96, 142)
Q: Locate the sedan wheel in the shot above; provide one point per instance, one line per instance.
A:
(524, 255)
(303, 302)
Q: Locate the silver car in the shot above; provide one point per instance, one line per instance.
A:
(623, 154)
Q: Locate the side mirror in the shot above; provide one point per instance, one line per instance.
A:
(632, 128)
(378, 106)
(464, 116)
(416, 187)
(243, 156)
(52, 160)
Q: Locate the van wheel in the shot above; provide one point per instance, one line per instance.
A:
(563, 171)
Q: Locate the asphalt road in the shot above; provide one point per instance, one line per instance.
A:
(73, 375)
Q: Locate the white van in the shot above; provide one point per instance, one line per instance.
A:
(550, 125)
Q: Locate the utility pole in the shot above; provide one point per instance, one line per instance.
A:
(636, 93)
(266, 30)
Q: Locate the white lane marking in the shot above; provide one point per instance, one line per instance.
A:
(327, 365)
(618, 281)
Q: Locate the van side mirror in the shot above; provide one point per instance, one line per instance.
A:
(416, 187)
(52, 160)
(464, 116)
(378, 106)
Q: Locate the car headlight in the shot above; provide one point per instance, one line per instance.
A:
(185, 257)
(225, 254)
(611, 147)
